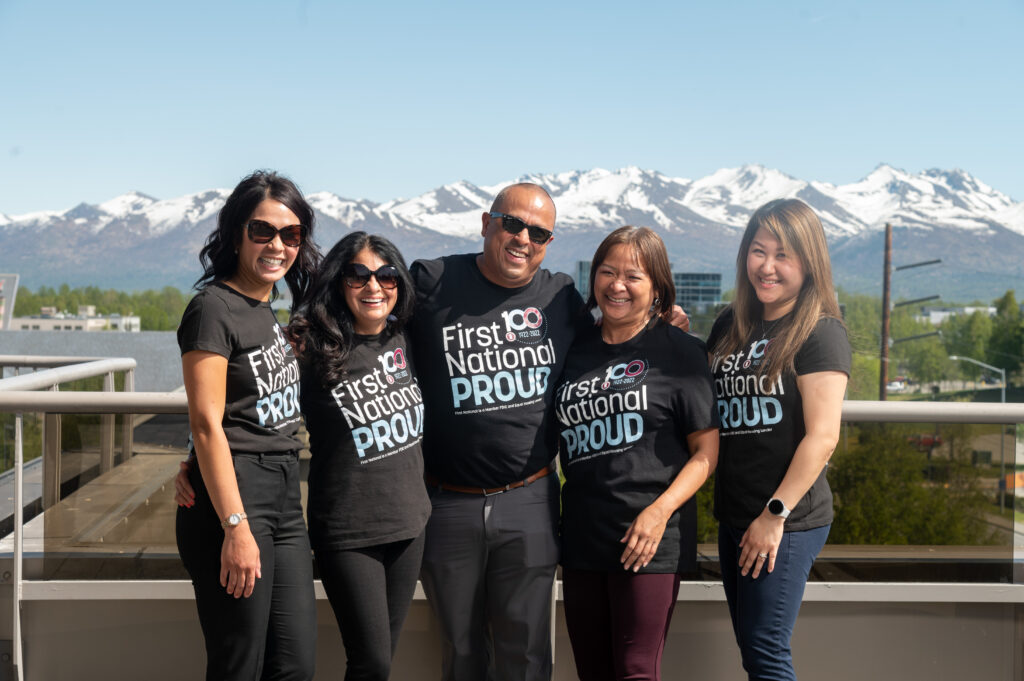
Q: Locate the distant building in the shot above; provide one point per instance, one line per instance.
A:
(8, 292)
(49, 319)
(583, 278)
(937, 315)
(698, 292)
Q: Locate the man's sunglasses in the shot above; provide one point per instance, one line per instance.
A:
(261, 232)
(358, 276)
(538, 235)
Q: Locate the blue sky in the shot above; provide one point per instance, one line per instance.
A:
(388, 99)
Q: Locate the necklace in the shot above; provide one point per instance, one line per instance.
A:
(769, 327)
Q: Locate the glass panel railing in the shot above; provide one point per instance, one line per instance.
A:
(915, 502)
(924, 502)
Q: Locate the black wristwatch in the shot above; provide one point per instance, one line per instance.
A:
(777, 508)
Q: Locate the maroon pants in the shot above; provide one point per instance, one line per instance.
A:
(618, 622)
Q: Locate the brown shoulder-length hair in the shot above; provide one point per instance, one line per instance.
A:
(649, 251)
(799, 230)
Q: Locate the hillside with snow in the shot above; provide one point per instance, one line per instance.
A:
(136, 241)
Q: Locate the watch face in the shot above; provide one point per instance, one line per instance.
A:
(234, 519)
(776, 506)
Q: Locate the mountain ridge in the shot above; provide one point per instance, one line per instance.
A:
(976, 229)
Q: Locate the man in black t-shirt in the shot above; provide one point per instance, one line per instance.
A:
(490, 335)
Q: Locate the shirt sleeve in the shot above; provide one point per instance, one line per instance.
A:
(826, 349)
(696, 408)
(205, 326)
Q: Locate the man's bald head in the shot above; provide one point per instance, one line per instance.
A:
(525, 191)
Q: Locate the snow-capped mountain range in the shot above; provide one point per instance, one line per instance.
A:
(136, 241)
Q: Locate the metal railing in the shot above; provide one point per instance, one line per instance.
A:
(22, 394)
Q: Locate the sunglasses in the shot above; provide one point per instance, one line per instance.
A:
(358, 276)
(538, 235)
(261, 232)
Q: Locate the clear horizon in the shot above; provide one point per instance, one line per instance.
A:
(381, 102)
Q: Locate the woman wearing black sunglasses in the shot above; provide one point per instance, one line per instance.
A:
(240, 531)
(364, 413)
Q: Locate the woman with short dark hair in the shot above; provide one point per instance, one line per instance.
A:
(638, 438)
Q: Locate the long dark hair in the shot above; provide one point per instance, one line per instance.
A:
(801, 234)
(219, 256)
(323, 329)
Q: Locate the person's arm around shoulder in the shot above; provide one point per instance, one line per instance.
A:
(205, 376)
(644, 534)
(822, 395)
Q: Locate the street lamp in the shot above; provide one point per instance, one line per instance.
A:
(1002, 459)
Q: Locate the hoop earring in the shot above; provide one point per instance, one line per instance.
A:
(657, 301)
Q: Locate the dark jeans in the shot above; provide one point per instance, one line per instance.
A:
(370, 590)
(764, 610)
(272, 634)
(488, 567)
(618, 622)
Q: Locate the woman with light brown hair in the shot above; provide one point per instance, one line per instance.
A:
(781, 359)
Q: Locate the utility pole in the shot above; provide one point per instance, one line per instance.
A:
(883, 370)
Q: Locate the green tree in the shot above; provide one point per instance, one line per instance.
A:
(157, 310)
(923, 359)
(968, 336)
(888, 492)
(1006, 349)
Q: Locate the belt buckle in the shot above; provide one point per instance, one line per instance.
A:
(500, 490)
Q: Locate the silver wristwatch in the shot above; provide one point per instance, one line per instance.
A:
(234, 520)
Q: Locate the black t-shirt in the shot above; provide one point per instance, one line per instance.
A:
(261, 408)
(762, 425)
(488, 358)
(625, 411)
(366, 473)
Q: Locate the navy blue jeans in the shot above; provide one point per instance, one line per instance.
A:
(764, 610)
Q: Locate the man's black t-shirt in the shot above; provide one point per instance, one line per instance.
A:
(366, 473)
(261, 408)
(625, 411)
(763, 423)
(489, 357)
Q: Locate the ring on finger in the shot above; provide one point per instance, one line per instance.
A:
(762, 556)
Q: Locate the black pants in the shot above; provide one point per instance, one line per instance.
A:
(370, 590)
(270, 635)
(488, 567)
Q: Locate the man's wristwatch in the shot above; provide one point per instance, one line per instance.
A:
(777, 508)
(233, 520)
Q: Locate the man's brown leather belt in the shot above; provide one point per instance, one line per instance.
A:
(434, 482)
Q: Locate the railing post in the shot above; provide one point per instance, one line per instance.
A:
(19, 502)
(51, 457)
(107, 429)
(128, 420)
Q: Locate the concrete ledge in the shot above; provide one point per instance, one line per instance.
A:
(822, 592)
